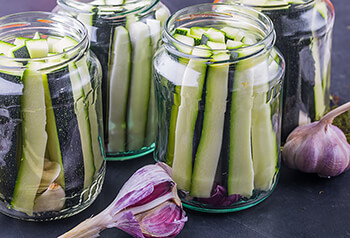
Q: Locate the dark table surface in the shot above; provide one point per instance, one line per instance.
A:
(303, 205)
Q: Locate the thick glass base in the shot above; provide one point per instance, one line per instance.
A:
(86, 198)
(241, 204)
(120, 156)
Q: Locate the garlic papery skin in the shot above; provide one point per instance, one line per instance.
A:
(52, 199)
(319, 147)
(146, 206)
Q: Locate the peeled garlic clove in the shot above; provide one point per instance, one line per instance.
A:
(319, 147)
(52, 199)
(50, 174)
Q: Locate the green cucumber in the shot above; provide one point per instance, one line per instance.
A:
(191, 94)
(241, 172)
(37, 48)
(141, 61)
(19, 51)
(11, 89)
(83, 124)
(172, 125)
(209, 148)
(90, 96)
(264, 141)
(5, 47)
(20, 41)
(155, 32)
(119, 79)
(34, 141)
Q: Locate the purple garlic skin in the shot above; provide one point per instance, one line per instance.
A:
(319, 147)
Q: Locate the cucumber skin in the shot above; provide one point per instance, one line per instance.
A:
(67, 132)
(10, 138)
(139, 93)
(241, 174)
(191, 95)
(119, 77)
(34, 146)
(209, 148)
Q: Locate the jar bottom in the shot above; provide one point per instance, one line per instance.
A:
(242, 204)
(120, 156)
(92, 192)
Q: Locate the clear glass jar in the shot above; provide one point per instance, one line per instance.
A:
(124, 38)
(304, 36)
(219, 110)
(51, 161)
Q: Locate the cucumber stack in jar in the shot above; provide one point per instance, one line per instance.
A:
(304, 36)
(218, 82)
(124, 35)
(51, 160)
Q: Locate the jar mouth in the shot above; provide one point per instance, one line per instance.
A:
(111, 10)
(232, 15)
(47, 24)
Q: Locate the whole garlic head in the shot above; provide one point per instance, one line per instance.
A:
(319, 147)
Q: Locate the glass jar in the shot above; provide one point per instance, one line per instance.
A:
(219, 109)
(124, 38)
(51, 160)
(304, 36)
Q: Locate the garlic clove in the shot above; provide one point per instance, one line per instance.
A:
(50, 173)
(52, 199)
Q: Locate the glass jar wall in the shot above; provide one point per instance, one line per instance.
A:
(218, 87)
(304, 37)
(51, 160)
(124, 38)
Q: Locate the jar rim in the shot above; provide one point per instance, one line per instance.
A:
(32, 21)
(136, 6)
(274, 6)
(266, 43)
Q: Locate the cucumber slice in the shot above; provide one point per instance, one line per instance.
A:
(11, 90)
(119, 80)
(5, 47)
(155, 32)
(20, 41)
(37, 48)
(36, 36)
(162, 14)
(52, 41)
(188, 41)
(182, 31)
(83, 124)
(141, 61)
(172, 125)
(65, 43)
(231, 44)
(191, 94)
(90, 96)
(34, 141)
(215, 35)
(19, 51)
(264, 142)
(209, 148)
(241, 172)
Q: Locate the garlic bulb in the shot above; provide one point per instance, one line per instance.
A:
(319, 147)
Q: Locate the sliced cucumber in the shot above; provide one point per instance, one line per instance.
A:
(20, 41)
(209, 148)
(119, 78)
(191, 94)
(19, 51)
(90, 96)
(155, 32)
(83, 124)
(264, 142)
(241, 173)
(34, 141)
(5, 47)
(37, 48)
(140, 84)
